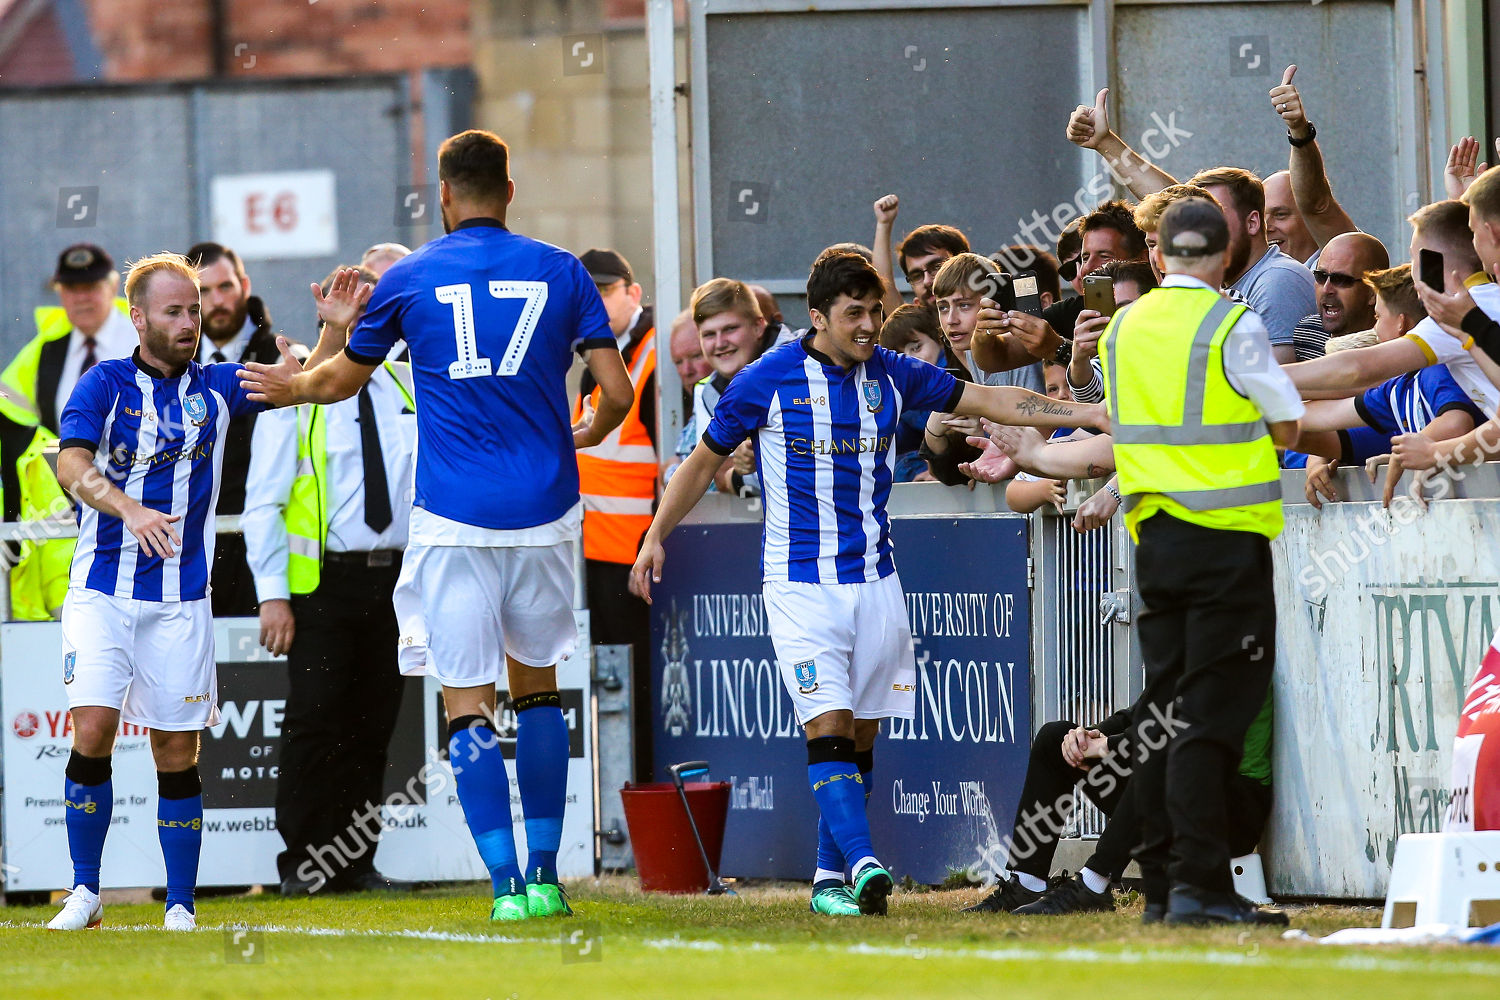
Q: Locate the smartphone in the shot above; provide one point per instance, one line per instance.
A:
(1099, 294)
(998, 287)
(1028, 297)
(1430, 268)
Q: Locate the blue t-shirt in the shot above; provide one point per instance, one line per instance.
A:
(823, 448)
(1281, 291)
(160, 440)
(491, 319)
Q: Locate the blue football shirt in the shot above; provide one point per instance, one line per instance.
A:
(491, 319)
(160, 440)
(1409, 402)
(823, 446)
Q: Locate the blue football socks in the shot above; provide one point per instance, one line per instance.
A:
(831, 863)
(179, 827)
(89, 797)
(840, 793)
(484, 793)
(542, 774)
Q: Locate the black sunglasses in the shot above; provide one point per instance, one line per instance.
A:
(1323, 277)
(1068, 269)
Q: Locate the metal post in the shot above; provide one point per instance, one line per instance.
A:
(661, 48)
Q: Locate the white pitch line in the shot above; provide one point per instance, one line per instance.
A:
(1072, 955)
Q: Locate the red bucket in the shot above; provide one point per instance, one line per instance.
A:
(666, 856)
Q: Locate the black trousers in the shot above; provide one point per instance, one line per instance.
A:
(233, 593)
(1048, 791)
(343, 695)
(619, 618)
(1208, 636)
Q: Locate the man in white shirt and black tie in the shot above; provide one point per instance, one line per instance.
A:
(325, 524)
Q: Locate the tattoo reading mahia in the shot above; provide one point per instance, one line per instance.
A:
(1031, 407)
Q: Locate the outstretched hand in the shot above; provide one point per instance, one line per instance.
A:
(272, 384)
(346, 298)
(1463, 166)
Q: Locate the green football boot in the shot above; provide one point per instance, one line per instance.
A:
(547, 899)
(834, 901)
(872, 887)
(511, 906)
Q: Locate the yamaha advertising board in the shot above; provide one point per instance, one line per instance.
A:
(423, 833)
(945, 784)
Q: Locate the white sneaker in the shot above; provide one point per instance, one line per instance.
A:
(81, 909)
(180, 918)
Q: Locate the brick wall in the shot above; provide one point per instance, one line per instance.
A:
(156, 40)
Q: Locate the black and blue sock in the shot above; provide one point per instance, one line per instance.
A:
(89, 802)
(179, 827)
(484, 792)
(542, 774)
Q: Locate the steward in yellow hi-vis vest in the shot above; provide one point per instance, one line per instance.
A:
(1198, 407)
(90, 324)
(1186, 441)
(29, 493)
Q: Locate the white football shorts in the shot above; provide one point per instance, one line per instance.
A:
(463, 608)
(844, 646)
(151, 660)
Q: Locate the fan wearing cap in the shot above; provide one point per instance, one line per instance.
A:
(617, 477)
(1198, 406)
(90, 324)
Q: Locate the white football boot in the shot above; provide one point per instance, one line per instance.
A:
(81, 909)
(180, 918)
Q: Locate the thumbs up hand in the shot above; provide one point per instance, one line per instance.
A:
(1288, 104)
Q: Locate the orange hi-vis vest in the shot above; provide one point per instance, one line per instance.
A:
(617, 477)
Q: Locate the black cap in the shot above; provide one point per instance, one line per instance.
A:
(83, 264)
(607, 267)
(1192, 227)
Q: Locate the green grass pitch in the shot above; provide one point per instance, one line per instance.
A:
(763, 945)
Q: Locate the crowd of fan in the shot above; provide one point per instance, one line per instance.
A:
(1395, 368)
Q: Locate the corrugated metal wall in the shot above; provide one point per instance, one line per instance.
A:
(142, 160)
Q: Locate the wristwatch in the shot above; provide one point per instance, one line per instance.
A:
(1312, 133)
(1064, 353)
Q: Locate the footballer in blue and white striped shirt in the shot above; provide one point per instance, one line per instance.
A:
(822, 413)
(142, 449)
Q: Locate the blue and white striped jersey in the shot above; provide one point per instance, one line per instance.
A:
(160, 441)
(1409, 402)
(823, 446)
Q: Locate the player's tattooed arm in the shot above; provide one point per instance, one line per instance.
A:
(77, 474)
(1087, 459)
(1023, 408)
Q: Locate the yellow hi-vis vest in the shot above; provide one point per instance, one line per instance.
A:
(40, 567)
(306, 513)
(1186, 442)
(52, 323)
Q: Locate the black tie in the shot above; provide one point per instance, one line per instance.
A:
(218, 357)
(377, 493)
(90, 359)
